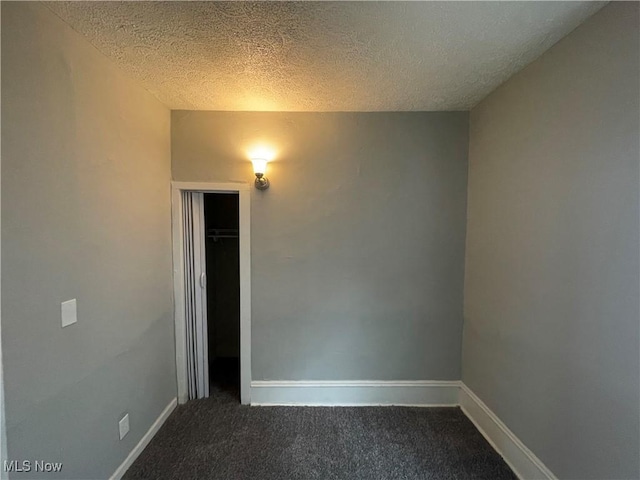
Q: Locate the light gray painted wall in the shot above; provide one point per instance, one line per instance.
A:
(86, 215)
(357, 247)
(551, 338)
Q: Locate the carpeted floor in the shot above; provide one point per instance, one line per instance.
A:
(217, 438)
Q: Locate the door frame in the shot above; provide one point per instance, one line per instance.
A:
(244, 198)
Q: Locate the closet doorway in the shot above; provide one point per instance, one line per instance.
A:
(222, 247)
(212, 289)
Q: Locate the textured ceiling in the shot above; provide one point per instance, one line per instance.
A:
(322, 56)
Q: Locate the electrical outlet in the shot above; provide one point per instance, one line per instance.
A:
(123, 425)
(69, 312)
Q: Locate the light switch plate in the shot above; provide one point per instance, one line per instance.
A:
(123, 425)
(69, 310)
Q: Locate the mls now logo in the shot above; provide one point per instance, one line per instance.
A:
(28, 466)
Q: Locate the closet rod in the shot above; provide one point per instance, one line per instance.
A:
(217, 233)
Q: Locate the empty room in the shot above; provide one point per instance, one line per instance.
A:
(320, 240)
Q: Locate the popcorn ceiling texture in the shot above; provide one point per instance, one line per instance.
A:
(322, 56)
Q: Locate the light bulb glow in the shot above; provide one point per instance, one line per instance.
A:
(259, 165)
(261, 150)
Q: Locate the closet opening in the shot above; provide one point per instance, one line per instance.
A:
(222, 247)
(211, 225)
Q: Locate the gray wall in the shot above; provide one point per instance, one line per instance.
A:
(357, 247)
(86, 215)
(551, 292)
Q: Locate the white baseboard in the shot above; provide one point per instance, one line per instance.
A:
(144, 441)
(515, 453)
(355, 393)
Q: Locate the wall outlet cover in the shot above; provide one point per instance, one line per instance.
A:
(69, 312)
(123, 426)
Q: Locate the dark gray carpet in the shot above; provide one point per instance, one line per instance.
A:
(217, 438)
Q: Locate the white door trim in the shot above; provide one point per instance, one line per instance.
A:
(244, 193)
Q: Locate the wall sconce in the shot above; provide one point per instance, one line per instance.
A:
(259, 167)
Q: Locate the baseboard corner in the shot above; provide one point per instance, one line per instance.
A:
(520, 459)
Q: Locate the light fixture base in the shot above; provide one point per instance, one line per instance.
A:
(262, 182)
